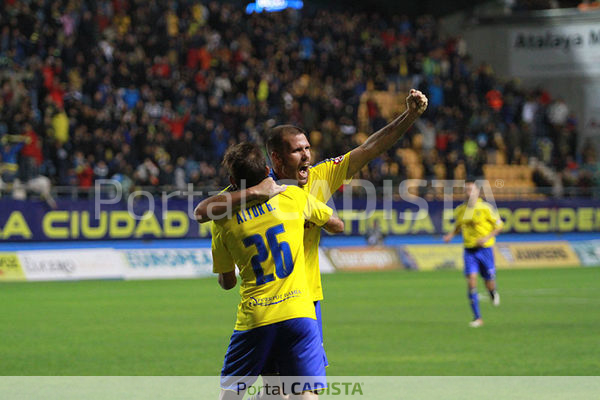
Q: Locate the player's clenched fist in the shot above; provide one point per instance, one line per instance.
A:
(416, 101)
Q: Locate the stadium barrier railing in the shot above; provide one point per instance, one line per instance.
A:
(429, 192)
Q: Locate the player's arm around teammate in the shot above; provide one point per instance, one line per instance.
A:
(218, 205)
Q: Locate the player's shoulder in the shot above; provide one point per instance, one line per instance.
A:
(292, 191)
(329, 162)
(293, 194)
(487, 206)
(226, 189)
(217, 224)
(460, 208)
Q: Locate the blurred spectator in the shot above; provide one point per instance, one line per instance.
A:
(588, 5)
(31, 154)
(10, 146)
(60, 126)
(558, 112)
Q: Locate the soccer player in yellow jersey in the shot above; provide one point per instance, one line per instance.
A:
(480, 224)
(290, 154)
(276, 319)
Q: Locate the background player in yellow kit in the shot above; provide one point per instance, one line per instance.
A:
(276, 317)
(480, 224)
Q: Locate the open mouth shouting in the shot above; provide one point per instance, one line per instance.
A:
(303, 173)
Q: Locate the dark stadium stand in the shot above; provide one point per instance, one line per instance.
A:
(151, 93)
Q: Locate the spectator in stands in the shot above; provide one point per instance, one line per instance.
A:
(31, 154)
(588, 5)
(10, 146)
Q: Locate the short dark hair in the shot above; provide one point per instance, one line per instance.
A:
(275, 139)
(473, 181)
(245, 161)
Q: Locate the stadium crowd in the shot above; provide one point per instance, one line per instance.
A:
(152, 93)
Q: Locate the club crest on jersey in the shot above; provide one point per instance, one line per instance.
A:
(338, 160)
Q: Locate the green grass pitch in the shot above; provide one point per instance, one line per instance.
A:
(378, 323)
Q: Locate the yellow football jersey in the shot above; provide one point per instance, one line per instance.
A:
(324, 179)
(265, 241)
(477, 222)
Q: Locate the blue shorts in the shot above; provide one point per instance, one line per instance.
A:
(480, 260)
(320, 323)
(272, 367)
(294, 345)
